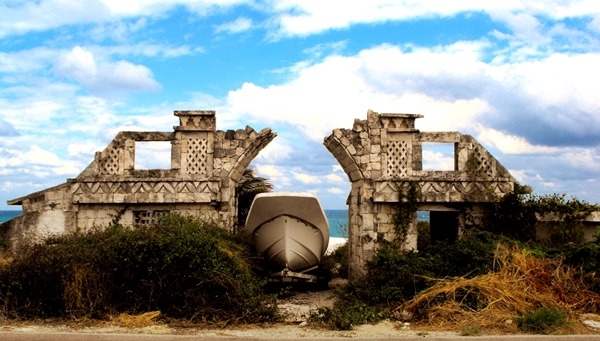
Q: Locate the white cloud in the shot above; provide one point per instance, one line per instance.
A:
(37, 156)
(583, 159)
(238, 25)
(152, 155)
(437, 161)
(286, 18)
(594, 25)
(339, 89)
(38, 162)
(511, 144)
(25, 16)
(278, 175)
(301, 17)
(335, 190)
(334, 178)
(525, 25)
(306, 178)
(80, 65)
(565, 80)
(276, 151)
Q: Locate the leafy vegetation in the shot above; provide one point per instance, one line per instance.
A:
(406, 208)
(182, 267)
(247, 188)
(517, 214)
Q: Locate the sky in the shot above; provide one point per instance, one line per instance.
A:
(521, 77)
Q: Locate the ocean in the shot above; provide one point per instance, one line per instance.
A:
(338, 223)
(8, 215)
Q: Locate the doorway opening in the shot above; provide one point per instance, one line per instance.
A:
(436, 225)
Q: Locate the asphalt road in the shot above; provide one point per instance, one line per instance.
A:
(20, 336)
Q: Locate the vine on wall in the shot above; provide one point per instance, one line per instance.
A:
(409, 194)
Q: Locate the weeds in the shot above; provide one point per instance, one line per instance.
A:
(471, 330)
(344, 317)
(541, 320)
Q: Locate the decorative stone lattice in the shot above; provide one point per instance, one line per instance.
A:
(109, 165)
(484, 166)
(148, 217)
(197, 157)
(397, 158)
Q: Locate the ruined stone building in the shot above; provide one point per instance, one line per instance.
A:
(386, 149)
(206, 165)
(377, 154)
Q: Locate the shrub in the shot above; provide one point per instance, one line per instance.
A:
(585, 258)
(336, 263)
(344, 317)
(180, 266)
(541, 320)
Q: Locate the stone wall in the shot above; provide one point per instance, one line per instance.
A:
(386, 149)
(206, 166)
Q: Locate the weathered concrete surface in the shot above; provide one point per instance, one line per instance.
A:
(206, 165)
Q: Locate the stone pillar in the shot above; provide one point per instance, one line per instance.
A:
(375, 151)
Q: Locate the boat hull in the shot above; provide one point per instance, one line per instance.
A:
(290, 230)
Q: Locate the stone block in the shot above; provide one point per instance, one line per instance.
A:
(345, 141)
(351, 149)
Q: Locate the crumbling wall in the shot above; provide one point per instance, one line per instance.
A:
(206, 166)
(386, 149)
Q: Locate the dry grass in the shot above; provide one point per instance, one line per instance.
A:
(5, 260)
(140, 320)
(522, 282)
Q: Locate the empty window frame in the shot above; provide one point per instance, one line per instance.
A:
(152, 155)
(438, 156)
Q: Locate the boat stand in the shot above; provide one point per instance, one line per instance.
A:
(286, 275)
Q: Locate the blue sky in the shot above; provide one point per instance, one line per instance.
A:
(519, 76)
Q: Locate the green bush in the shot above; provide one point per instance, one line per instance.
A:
(344, 317)
(585, 258)
(541, 320)
(180, 266)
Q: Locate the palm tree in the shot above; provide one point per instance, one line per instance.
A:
(249, 186)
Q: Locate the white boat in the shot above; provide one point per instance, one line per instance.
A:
(289, 229)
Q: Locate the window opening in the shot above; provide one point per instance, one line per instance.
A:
(438, 156)
(152, 155)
